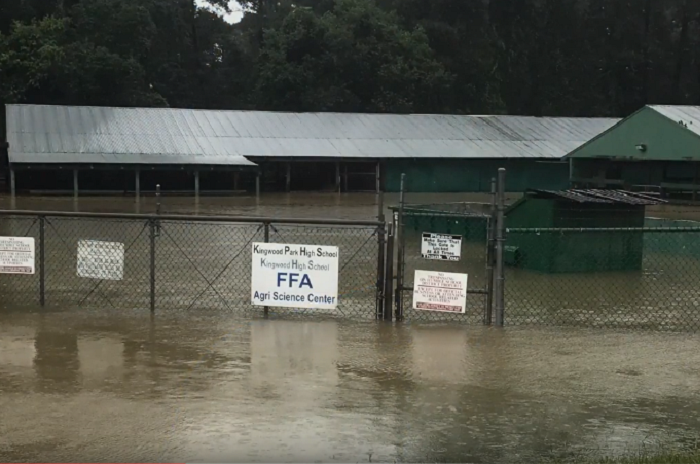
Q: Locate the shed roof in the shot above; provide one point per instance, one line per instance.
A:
(597, 196)
(64, 134)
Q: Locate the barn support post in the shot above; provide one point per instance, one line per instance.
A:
(345, 177)
(75, 190)
(196, 183)
(337, 176)
(377, 183)
(257, 184)
(288, 179)
(572, 169)
(75, 183)
(236, 179)
(137, 183)
(12, 184)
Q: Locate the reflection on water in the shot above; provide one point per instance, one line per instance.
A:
(89, 385)
(297, 204)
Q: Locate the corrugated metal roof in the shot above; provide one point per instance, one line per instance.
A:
(688, 115)
(64, 135)
(599, 196)
(59, 134)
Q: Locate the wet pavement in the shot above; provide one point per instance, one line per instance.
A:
(100, 386)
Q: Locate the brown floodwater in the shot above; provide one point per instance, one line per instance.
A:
(361, 206)
(110, 386)
(96, 384)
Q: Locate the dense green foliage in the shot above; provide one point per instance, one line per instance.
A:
(541, 57)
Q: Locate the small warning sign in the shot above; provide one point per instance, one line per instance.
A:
(440, 291)
(441, 246)
(16, 255)
(100, 260)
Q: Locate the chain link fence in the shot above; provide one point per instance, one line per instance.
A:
(175, 263)
(588, 275)
(600, 260)
(638, 278)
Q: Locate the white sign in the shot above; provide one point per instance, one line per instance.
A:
(100, 260)
(440, 291)
(16, 255)
(294, 276)
(441, 246)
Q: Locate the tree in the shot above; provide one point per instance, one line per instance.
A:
(45, 62)
(355, 57)
(465, 43)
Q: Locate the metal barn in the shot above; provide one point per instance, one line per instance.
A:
(77, 149)
(131, 149)
(655, 149)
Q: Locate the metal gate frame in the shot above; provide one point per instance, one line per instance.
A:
(494, 291)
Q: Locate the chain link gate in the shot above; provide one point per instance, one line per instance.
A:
(475, 224)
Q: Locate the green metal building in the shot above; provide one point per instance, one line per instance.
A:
(474, 175)
(655, 149)
(463, 153)
(570, 231)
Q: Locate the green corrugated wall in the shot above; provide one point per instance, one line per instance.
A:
(474, 175)
(686, 244)
(472, 229)
(569, 252)
(665, 140)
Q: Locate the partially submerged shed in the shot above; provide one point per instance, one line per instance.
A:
(578, 230)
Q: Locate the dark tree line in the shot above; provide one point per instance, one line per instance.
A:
(538, 57)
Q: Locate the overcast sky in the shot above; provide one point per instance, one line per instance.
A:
(234, 16)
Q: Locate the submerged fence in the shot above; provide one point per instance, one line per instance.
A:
(166, 262)
(652, 283)
(620, 277)
(642, 277)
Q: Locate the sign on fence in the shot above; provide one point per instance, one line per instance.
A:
(440, 291)
(441, 246)
(16, 255)
(294, 276)
(100, 260)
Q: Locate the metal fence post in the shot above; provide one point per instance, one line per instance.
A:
(500, 244)
(158, 199)
(266, 226)
(490, 256)
(400, 252)
(152, 236)
(389, 273)
(42, 261)
(381, 256)
(154, 231)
